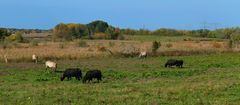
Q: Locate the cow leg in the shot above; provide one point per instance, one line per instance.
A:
(69, 78)
(90, 80)
(62, 78)
(99, 79)
(78, 78)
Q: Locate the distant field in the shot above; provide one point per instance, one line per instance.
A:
(205, 79)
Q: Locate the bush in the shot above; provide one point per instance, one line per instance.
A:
(15, 37)
(81, 43)
(212, 34)
(155, 46)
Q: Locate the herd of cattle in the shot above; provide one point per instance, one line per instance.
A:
(93, 74)
(75, 72)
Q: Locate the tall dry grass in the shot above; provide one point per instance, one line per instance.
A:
(103, 48)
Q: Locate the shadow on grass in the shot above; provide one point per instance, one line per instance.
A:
(59, 71)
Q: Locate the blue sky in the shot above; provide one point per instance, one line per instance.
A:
(149, 14)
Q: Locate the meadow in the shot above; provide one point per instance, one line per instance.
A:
(78, 49)
(206, 79)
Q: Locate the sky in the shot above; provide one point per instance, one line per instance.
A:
(136, 14)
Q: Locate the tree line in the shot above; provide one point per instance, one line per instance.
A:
(102, 30)
(94, 30)
(224, 33)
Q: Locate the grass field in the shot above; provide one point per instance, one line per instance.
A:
(205, 79)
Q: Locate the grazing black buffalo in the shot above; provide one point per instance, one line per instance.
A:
(92, 74)
(179, 63)
(72, 72)
(174, 62)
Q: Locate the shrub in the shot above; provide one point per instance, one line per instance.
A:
(155, 46)
(19, 37)
(212, 34)
(114, 33)
(15, 37)
(169, 45)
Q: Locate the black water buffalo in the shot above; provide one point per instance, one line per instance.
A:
(179, 63)
(174, 62)
(92, 74)
(72, 72)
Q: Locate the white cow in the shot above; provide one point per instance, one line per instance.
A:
(51, 65)
(143, 54)
(34, 58)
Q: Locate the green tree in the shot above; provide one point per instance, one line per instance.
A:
(235, 38)
(113, 33)
(19, 37)
(98, 26)
(155, 46)
(15, 37)
(77, 30)
(228, 32)
(212, 34)
(4, 33)
(62, 31)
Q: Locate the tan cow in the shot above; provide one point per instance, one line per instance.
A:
(52, 65)
(143, 54)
